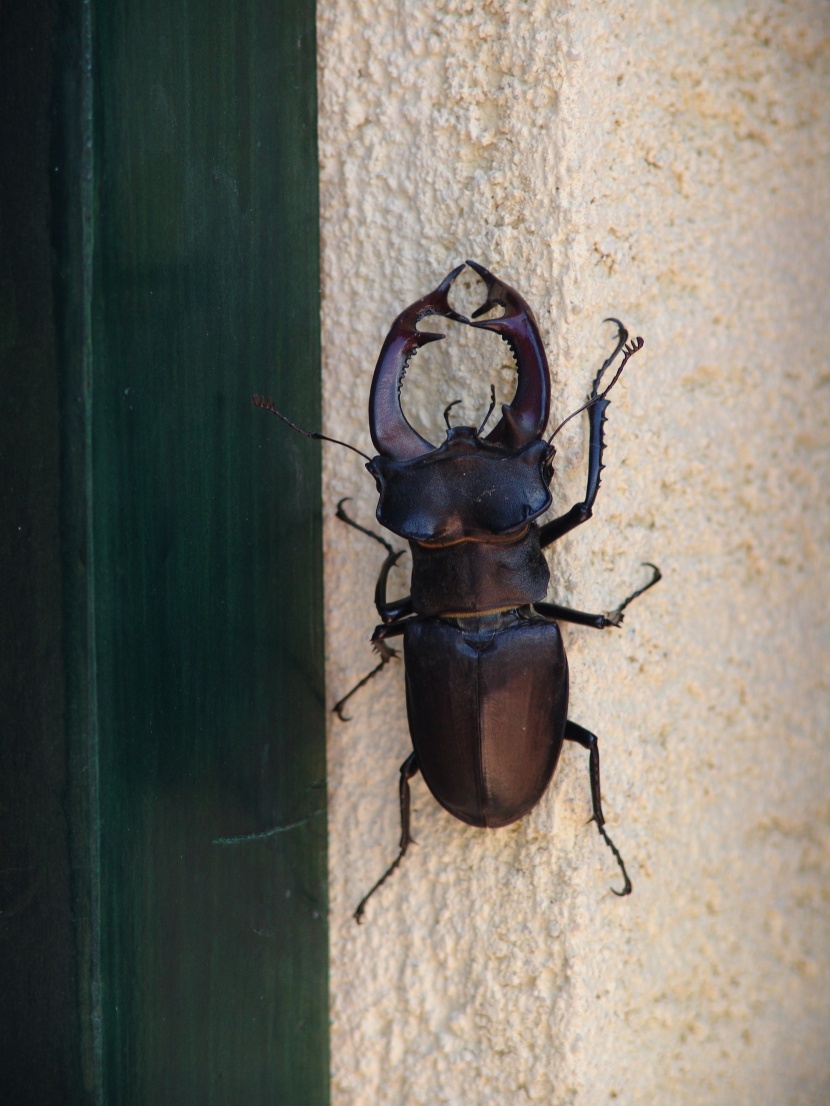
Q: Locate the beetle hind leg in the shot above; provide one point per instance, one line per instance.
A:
(408, 770)
(587, 740)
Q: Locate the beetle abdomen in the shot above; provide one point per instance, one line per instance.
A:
(487, 701)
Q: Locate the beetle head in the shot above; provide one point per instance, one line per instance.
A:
(470, 487)
(467, 489)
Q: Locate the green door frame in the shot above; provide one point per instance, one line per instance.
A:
(183, 212)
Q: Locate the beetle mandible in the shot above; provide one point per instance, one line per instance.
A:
(486, 671)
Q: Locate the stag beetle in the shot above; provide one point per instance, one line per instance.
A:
(486, 672)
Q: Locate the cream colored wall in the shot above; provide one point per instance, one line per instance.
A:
(666, 163)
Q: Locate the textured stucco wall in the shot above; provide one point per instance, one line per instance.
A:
(669, 164)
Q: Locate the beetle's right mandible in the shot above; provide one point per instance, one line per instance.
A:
(526, 416)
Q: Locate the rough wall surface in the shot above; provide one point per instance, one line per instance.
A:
(668, 164)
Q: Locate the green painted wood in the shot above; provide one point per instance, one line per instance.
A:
(205, 573)
(40, 1024)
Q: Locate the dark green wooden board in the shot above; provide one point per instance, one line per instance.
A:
(184, 217)
(206, 542)
(39, 1019)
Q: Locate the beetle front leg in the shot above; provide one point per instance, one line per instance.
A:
(587, 740)
(408, 770)
(398, 608)
(581, 512)
(390, 613)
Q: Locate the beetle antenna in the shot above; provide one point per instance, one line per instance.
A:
(629, 349)
(447, 410)
(489, 410)
(267, 404)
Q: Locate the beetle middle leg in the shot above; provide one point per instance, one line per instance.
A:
(587, 740)
(389, 612)
(386, 654)
(408, 770)
(597, 621)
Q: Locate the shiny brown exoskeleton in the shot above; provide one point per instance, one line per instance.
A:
(486, 672)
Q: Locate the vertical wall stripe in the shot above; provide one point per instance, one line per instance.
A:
(192, 552)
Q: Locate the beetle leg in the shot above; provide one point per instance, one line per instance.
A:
(581, 512)
(388, 611)
(385, 657)
(579, 618)
(341, 514)
(587, 740)
(398, 608)
(657, 576)
(408, 770)
(597, 621)
(386, 654)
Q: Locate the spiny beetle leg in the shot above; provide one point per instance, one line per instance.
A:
(581, 512)
(656, 577)
(587, 740)
(386, 654)
(552, 531)
(338, 706)
(622, 338)
(597, 621)
(408, 770)
(398, 608)
(390, 613)
(579, 618)
(341, 514)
